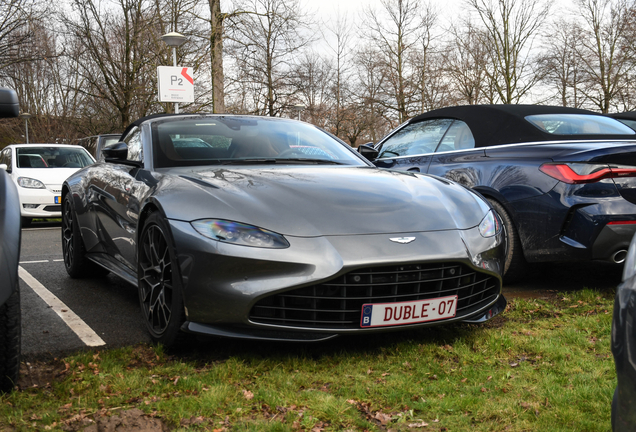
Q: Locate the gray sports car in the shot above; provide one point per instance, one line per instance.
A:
(277, 230)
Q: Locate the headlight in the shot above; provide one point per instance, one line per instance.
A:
(30, 183)
(630, 262)
(239, 234)
(490, 225)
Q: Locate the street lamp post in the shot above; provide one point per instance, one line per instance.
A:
(174, 40)
(26, 117)
(298, 109)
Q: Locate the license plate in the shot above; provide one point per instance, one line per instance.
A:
(58, 200)
(410, 312)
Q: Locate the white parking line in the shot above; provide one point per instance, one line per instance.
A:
(42, 229)
(33, 262)
(81, 329)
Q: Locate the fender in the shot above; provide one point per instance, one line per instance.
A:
(10, 236)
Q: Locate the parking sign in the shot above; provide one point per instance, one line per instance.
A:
(176, 84)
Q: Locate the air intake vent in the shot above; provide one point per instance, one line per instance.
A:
(337, 304)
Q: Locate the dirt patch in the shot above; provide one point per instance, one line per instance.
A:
(133, 420)
(41, 374)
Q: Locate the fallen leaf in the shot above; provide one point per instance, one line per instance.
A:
(382, 418)
(433, 377)
(490, 377)
(418, 425)
(465, 379)
(514, 364)
(386, 374)
(248, 394)
(407, 364)
(483, 390)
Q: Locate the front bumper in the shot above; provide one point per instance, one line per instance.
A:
(40, 203)
(624, 351)
(223, 282)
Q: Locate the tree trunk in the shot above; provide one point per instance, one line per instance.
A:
(216, 54)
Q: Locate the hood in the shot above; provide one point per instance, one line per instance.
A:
(313, 201)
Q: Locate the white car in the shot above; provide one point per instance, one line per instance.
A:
(39, 171)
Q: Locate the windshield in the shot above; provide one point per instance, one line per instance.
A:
(238, 140)
(579, 124)
(52, 157)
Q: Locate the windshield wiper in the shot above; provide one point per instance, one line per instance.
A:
(249, 161)
(280, 161)
(310, 161)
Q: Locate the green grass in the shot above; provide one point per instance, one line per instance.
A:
(542, 365)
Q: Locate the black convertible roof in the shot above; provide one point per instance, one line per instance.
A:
(506, 124)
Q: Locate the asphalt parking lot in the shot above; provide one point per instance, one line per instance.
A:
(63, 315)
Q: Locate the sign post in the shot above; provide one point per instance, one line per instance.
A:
(175, 84)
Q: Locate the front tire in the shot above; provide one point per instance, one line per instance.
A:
(10, 341)
(515, 266)
(159, 283)
(75, 261)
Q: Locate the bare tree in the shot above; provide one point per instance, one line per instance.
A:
(265, 42)
(510, 27)
(312, 78)
(338, 38)
(395, 31)
(371, 79)
(118, 58)
(604, 49)
(562, 64)
(466, 62)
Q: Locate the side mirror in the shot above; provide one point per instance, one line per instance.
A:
(368, 151)
(9, 106)
(3, 167)
(116, 152)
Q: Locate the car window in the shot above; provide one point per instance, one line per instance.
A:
(458, 137)
(52, 157)
(579, 124)
(133, 140)
(630, 123)
(225, 140)
(415, 138)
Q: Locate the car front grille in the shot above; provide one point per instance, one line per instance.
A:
(53, 208)
(337, 304)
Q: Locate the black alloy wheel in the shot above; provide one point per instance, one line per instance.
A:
(73, 251)
(158, 282)
(10, 334)
(515, 266)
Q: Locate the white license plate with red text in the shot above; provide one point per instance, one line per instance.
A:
(410, 312)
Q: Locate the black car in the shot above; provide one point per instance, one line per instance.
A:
(624, 347)
(9, 258)
(94, 144)
(265, 228)
(562, 179)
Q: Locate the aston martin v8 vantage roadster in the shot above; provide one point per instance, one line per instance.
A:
(267, 228)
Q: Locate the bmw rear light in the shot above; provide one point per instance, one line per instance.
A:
(577, 173)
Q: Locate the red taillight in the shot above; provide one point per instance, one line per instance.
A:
(566, 174)
(622, 223)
